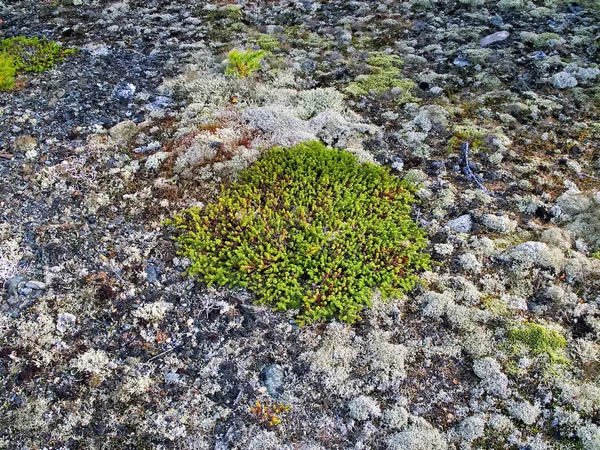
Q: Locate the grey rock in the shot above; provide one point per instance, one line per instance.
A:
(12, 284)
(65, 321)
(272, 379)
(461, 62)
(462, 224)
(564, 80)
(493, 38)
(152, 273)
(38, 285)
(500, 224)
(124, 91)
(123, 132)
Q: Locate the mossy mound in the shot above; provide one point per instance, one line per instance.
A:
(538, 340)
(25, 54)
(311, 229)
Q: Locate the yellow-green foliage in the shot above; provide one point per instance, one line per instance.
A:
(384, 76)
(537, 340)
(308, 228)
(7, 72)
(34, 54)
(242, 64)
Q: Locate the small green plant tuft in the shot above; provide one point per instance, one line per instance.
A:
(538, 339)
(384, 76)
(308, 228)
(241, 64)
(7, 72)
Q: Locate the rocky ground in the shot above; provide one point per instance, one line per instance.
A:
(106, 343)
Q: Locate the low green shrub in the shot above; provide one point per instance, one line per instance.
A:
(242, 64)
(308, 228)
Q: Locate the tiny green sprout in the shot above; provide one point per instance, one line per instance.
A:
(241, 64)
(311, 229)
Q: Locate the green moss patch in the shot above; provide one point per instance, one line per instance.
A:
(308, 228)
(538, 340)
(384, 76)
(7, 72)
(28, 55)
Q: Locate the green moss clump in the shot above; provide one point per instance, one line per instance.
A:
(230, 12)
(383, 77)
(7, 72)
(475, 136)
(311, 229)
(242, 64)
(268, 42)
(34, 54)
(538, 340)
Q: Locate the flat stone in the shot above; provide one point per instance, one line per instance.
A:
(12, 284)
(38, 285)
(272, 378)
(462, 224)
(514, 302)
(490, 39)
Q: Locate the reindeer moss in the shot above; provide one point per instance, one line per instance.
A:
(311, 229)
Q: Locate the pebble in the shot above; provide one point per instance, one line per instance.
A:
(152, 273)
(493, 38)
(272, 378)
(461, 62)
(38, 285)
(12, 284)
(462, 224)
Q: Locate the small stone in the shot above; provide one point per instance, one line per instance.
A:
(124, 91)
(564, 80)
(65, 321)
(500, 224)
(123, 132)
(272, 378)
(461, 62)
(462, 224)
(12, 284)
(514, 302)
(493, 38)
(38, 285)
(152, 273)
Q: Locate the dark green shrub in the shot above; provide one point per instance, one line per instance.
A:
(311, 229)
